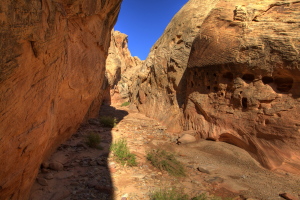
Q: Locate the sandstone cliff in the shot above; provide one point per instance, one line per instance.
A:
(51, 70)
(241, 83)
(120, 67)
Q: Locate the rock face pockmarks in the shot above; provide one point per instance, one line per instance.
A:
(243, 81)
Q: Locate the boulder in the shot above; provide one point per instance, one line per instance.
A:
(56, 166)
(186, 138)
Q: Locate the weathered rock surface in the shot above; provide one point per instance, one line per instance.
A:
(158, 89)
(241, 85)
(120, 66)
(51, 70)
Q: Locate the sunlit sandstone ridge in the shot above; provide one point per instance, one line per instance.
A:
(229, 71)
(120, 67)
(51, 70)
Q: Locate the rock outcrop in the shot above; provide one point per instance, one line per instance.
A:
(159, 88)
(240, 82)
(120, 67)
(51, 69)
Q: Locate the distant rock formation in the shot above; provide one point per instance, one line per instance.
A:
(120, 67)
(51, 70)
(240, 82)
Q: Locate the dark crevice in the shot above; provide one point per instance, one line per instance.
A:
(267, 80)
(245, 102)
(284, 84)
(248, 77)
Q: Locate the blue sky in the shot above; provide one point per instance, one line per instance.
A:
(144, 21)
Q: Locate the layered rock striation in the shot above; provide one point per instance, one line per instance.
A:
(51, 70)
(238, 82)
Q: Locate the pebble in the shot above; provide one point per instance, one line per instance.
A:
(200, 169)
(42, 181)
(288, 196)
(49, 176)
(56, 166)
(45, 164)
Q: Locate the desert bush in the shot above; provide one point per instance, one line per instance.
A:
(175, 194)
(122, 153)
(125, 104)
(166, 161)
(108, 121)
(93, 140)
(172, 194)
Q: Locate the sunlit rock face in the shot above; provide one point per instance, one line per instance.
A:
(159, 86)
(237, 81)
(120, 67)
(51, 71)
(243, 80)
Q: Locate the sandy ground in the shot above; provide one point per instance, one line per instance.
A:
(214, 168)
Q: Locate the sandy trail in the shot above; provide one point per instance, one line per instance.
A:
(215, 168)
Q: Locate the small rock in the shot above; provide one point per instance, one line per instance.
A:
(200, 169)
(186, 138)
(124, 197)
(48, 176)
(94, 121)
(93, 163)
(216, 180)
(64, 175)
(288, 196)
(42, 181)
(45, 164)
(45, 171)
(139, 176)
(56, 166)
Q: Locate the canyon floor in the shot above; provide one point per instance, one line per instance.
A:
(218, 169)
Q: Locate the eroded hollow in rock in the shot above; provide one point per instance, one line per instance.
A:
(248, 77)
(283, 84)
(228, 75)
(233, 140)
(267, 80)
(245, 102)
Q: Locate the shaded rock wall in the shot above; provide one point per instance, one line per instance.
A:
(239, 84)
(51, 70)
(120, 67)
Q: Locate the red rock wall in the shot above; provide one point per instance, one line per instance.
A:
(243, 81)
(51, 70)
(237, 81)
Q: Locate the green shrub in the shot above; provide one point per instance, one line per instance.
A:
(166, 161)
(122, 153)
(108, 121)
(175, 194)
(200, 197)
(125, 104)
(172, 194)
(93, 140)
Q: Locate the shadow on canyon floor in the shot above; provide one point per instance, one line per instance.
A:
(76, 171)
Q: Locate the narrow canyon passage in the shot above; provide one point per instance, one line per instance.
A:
(215, 168)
